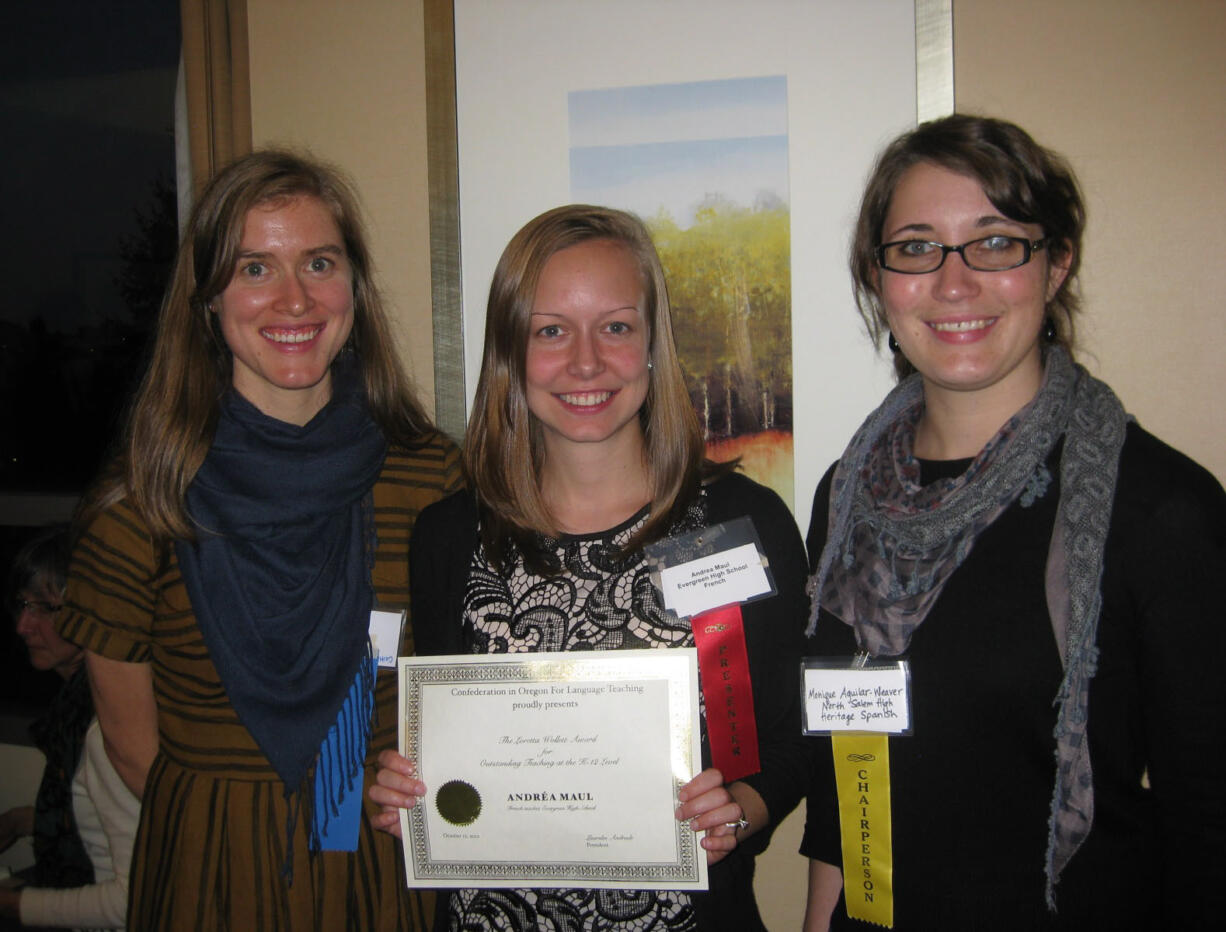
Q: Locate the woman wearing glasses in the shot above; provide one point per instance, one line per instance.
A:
(83, 820)
(1047, 567)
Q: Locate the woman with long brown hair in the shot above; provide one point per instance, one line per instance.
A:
(582, 449)
(227, 568)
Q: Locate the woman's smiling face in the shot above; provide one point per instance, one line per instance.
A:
(586, 371)
(288, 308)
(965, 331)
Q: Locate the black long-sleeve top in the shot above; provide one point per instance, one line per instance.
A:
(443, 544)
(971, 788)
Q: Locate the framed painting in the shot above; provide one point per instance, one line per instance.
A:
(746, 129)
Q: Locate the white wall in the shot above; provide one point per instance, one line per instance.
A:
(1133, 93)
(347, 81)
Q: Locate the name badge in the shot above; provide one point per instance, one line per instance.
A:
(718, 565)
(852, 694)
(385, 629)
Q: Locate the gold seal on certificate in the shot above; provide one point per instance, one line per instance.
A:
(552, 770)
(458, 802)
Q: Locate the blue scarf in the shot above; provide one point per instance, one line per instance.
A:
(279, 573)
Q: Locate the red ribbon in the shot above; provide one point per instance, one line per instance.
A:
(724, 664)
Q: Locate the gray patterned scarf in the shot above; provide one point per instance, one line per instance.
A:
(892, 544)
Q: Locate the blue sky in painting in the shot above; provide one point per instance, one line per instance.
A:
(672, 146)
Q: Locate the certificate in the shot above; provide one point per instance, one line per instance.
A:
(552, 769)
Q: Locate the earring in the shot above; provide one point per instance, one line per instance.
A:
(1049, 329)
(650, 364)
(894, 348)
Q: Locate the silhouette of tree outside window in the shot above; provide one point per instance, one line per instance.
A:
(87, 175)
(87, 193)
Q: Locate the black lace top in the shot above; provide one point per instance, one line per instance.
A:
(599, 601)
(602, 602)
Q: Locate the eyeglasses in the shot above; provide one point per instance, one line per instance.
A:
(36, 605)
(990, 254)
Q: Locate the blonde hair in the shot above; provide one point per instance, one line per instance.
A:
(173, 415)
(503, 451)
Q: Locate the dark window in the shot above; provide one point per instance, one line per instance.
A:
(88, 169)
(87, 187)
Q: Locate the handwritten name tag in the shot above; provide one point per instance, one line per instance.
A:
(842, 696)
(385, 628)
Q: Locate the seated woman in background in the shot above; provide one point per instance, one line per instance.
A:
(274, 461)
(84, 818)
(1047, 566)
(583, 447)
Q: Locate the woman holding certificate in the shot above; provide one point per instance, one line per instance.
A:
(582, 450)
(227, 573)
(1047, 568)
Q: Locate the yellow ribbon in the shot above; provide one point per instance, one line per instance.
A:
(862, 772)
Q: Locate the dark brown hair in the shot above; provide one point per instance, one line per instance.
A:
(1023, 180)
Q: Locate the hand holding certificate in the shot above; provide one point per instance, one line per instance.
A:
(552, 769)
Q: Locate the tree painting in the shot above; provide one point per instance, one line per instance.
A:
(705, 165)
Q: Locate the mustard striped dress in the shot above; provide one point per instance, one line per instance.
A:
(212, 835)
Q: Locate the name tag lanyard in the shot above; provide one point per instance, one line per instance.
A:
(859, 703)
(706, 576)
(337, 815)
